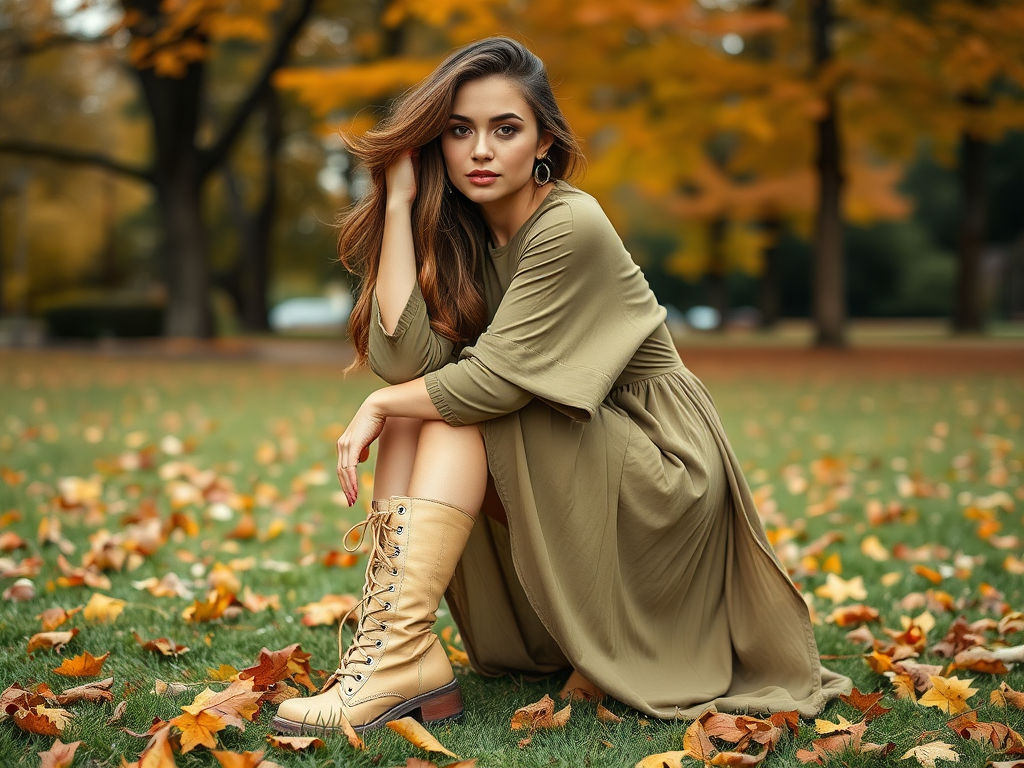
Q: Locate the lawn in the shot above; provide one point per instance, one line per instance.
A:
(221, 471)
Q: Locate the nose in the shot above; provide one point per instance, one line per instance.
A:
(482, 148)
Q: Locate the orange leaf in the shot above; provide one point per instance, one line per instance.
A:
(932, 575)
(866, 703)
(663, 760)
(54, 617)
(1004, 695)
(198, 729)
(85, 665)
(289, 663)
(102, 608)
(413, 732)
(235, 704)
(238, 759)
(59, 755)
(42, 719)
(605, 715)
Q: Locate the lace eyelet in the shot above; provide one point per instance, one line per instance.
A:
(383, 626)
(378, 644)
(348, 691)
(399, 529)
(394, 571)
(401, 509)
(369, 659)
(398, 550)
(359, 678)
(387, 606)
(391, 588)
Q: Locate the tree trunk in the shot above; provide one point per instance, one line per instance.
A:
(829, 300)
(968, 313)
(718, 289)
(770, 284)
(174, 104)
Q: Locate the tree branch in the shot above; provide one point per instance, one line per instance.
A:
(213, 156)
(67, 155)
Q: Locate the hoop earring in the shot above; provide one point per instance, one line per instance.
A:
(541, 166)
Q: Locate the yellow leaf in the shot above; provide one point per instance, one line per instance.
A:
(102, 608)
(413, 732)
(948, 694)
(927, 754)
(838, 590)
(824, 727)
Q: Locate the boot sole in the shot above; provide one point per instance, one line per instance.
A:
(440, 705)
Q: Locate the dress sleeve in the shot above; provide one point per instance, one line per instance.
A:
(574, 314)
(413, 349)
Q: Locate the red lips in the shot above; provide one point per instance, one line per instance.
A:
(481, 174)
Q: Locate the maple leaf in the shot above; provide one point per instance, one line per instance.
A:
(157, 752)
(824, 727)
(223, 672)
(55, 640)
(839, 590)
(1000, 736)
(102, 608)
(198, 729)
(235, 704)
(161, 645)
(540, 714)
(413, 732)
(948, 694)
(836, 744)
(210, 609)
(866, 703)
(927, 754)
(59, 755)
(85, 665)
(849, 615)
(294, 743)
(290, 663)
(169, 585)
(42, 719)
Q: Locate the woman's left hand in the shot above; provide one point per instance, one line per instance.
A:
(354, 445)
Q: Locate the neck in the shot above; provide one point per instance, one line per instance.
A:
(505, 218)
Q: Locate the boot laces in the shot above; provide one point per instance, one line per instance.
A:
(379, 566)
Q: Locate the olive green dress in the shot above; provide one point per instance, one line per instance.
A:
(633, 552)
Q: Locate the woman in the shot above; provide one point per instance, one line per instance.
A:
(533, 379)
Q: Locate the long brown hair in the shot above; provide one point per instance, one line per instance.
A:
(448, 230)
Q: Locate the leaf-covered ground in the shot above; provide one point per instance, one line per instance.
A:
(883, 490)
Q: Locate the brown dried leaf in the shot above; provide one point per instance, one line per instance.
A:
(413, 732)
(866, 703)
(239, 759)
(605, 715)
(540, 714)
(235, 704)
(328, 610)
(94, 692)
(54, 617)
(41, 719)
(118, 712)
(161, 645)
(1005, 695)
(289, 663)
(927, 754)
(979, 659)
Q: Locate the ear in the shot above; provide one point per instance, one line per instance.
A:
(545, 143)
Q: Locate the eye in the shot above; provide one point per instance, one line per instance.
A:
(460, 131)
(506, 130)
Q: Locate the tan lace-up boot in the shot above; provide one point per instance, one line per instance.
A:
(395, 665)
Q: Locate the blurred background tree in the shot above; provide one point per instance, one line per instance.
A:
(802, 156)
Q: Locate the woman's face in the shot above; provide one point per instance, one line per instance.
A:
(491, 141)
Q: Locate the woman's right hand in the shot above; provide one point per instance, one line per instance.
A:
(400, 178)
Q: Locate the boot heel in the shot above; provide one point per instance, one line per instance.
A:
(447, 706)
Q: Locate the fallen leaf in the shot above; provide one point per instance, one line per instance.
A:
(663, 760)
(948, 694)
(1005, 695)
(239, 759)
(118, 712)
(52, 618)
(102, 608)
(294, 743)
(94, 692)
(85, 665)
(350, 733)
(21, 591)
(927, 754)
(413, 732)
(540, 714)
(839, 590)
(161, 645)
(41, 719)
(157, 752)
(866, 703)
(824, 727)
(55, 640)
(59, 755)
(328, 610)
(1002, 737)
(605, 715)
(289, 663)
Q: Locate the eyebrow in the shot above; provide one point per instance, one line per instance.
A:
(495, 119)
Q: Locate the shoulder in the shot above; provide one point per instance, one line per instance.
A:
(571, 213)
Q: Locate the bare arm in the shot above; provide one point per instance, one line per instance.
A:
(396, 273)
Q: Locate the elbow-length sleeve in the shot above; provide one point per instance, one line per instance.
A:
(412, 349)
(574, 313)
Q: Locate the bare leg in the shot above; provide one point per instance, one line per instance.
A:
(396, 453)
(450, 466)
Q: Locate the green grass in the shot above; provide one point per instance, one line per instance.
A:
(61, 413)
